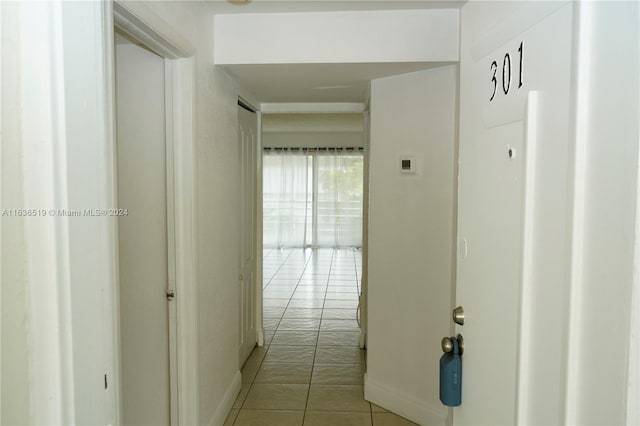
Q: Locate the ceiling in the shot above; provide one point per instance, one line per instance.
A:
(288, 6)
(293, 83)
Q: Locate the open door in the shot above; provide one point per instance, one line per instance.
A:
(514, 115)
(247, 133)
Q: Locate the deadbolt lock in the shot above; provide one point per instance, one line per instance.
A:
(458, 315)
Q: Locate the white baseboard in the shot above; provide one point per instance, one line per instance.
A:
(227, 401)
(407, 406)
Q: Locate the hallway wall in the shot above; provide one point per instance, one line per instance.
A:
(217, 222)
(411, 231)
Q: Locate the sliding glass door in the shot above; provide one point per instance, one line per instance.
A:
(312, 198)
(339, 200)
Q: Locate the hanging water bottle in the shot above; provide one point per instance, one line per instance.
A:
(451, 371)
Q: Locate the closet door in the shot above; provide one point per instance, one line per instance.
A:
(247, 131)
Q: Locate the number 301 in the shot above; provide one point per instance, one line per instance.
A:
(506, 73)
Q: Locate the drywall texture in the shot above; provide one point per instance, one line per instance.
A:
(410, 239)
(217, 202)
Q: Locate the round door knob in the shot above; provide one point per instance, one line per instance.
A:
(447, 345)
(460, 344)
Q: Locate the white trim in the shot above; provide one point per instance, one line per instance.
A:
(111, 303)
(633, 383)
(140, 22)
(403, 404)
(364, 287)
(525, 364)
(171, 241)
(633, 391)
(48, 255)
(228, 399)
(309, 108)
(2, 35)
(185, 224)
(580, 98)
(258, 238)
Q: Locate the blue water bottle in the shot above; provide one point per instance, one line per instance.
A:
(451, 373)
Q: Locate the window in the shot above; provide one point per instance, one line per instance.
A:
(312, 199)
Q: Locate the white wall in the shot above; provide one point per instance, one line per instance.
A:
(335, 37)
(410, 240)
(607, 136)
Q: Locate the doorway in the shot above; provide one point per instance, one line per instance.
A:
(137, 24)
(146, 261)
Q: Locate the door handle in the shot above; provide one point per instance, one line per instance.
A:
(447, 344)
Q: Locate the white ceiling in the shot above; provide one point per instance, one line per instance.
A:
(292, 83)
(286, 6)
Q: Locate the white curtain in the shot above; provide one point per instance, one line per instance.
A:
(287, 199)
(339, 198)
(293, 217)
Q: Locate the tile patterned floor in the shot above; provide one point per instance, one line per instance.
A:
(310, 371)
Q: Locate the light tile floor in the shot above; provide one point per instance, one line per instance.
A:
(310, 371)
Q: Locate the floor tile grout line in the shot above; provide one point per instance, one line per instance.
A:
(315, 352)
(265, 354)
(285, 310)
(335, 260)
(294, 290)
(277, 270)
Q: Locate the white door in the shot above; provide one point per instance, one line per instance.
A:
(247, 131)
(142, 233)
(514, 86)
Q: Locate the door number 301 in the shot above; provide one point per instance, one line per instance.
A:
(506, 73)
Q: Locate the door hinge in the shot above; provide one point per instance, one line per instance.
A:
(171, 294)
(106, 383)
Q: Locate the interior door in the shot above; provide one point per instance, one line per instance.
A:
(142, 234)
(515, 73)
(247, 131)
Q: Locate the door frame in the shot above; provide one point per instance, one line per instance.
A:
(141, 23)
(259, 252)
